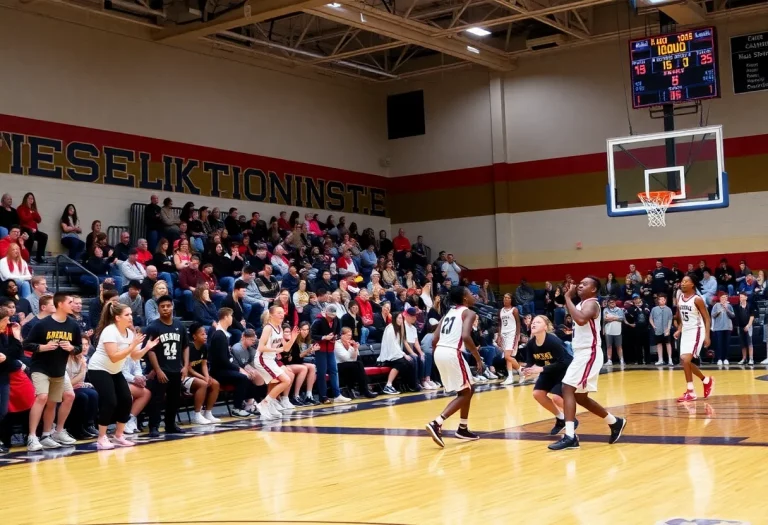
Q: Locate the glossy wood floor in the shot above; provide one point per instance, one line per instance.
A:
(374, 464)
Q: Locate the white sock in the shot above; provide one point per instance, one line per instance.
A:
(198, 413)
(207, 414)
(439, 420)
(463, 422)
(610, 419)
(570, 429)
(690, 387)
(389, 385)
(705, 380)
(560, 416)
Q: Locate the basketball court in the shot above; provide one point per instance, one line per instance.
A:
(374, 463)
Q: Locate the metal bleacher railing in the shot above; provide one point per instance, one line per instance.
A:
(136, 220)
(65, 266)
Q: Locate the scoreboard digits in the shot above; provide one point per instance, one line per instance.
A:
(679, 67)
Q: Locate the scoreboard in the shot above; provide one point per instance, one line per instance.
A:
(674, 68)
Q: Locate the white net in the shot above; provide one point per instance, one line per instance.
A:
(656, 204)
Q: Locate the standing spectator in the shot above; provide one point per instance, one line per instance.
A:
(152, 221)
(385, 245)
(8, 215)
(636, 322)
(51, 341)
(662, 278)
(742, 272)
(722, 326)
(10, 355)
(661, 322)
(13, 266)
(85, 408)
(117, 342)
(614, 318)
(611, 286)
(166, 361)
(523, 297)
(635, 276)
(29, 219)
(70, 233)
(451, 270)
(325, 331)
(46, 308)
(745, 316)
(168, 220)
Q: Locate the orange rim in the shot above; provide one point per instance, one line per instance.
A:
(662, 197)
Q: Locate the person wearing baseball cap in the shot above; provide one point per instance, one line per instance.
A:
(325, 331)
(422, 361)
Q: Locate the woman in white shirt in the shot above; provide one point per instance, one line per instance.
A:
(351, 370)
(117, 343)
(12, 266)
(426, 296)
(392, 355)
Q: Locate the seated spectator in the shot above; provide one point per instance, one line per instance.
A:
(107, 293)
(70, 233)
(189, 277)
(726, 278)
(81, 422)
(225, 369)
(123, 248)
(14, 267)
(169, 221)
(267, 284)
(162, 259)
(30, 304)
(747, 286)
(366, 313)
(209, 279)
(90, 239)
(389, 275)
(351, 369)
(132, 298)
(182, 257)
(385, 245)
(29, 220)
(204, 311)
(148, 284)
(291, 280)
(8, 215)
(300, 296)
(352, 320)
(202, 387)
(314, 308)
(708, 287)
(393, 355)
(325, 282)
(131, 269)
(143, 255)
(215, 219)
(243, 355)
(485, 294)
(46, 308)
(302, 372)
(151, 313)
(83, 321)
(346, 265)
(10, 291)
(253, 302)
(421, 361)
(101, 267)
(279, 261)
(284, 301)
(742, 272)
(235, 302)
(337, 301)
(380, 321)
(427, 346)
(195, 231)
(524, 298)
(14, 237)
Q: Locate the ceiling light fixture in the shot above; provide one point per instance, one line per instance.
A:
(334, 4)
(478, 31)
(473, 50)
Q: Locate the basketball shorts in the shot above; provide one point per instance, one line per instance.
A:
(584, 370)
(453, 368)
(691, 341)
(660, 339)
(552, 383)
(508, 343)
(267, 367)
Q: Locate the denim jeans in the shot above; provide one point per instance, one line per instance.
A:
(3, 232)
(488, 353)
(89, 281)
(24, 288)
(528, 308)
(721, 340)
(559, 316)
(363, 335)
(227, 283)
(326, 364)
(165, 276)
(153, 236)
(425, 367)
(75, 246)
(197, 242)
(252, 313)
(189, 299)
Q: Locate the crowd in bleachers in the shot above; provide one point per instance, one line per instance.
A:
(357, 311)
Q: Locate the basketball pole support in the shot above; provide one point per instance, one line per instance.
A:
(668, 25)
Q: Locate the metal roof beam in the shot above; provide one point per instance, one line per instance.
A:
(251, 12)
(397, 28)
(544, 19)
(361, 51)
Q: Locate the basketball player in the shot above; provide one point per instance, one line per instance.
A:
(693, 325)
(581, 376)
(453, 332)
(546, 356)
(265, 363)
(509, 337)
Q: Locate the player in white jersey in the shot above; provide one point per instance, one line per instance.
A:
(693, 323)
(265, 362)
(453, 332)
(581, 376)
(509, 337)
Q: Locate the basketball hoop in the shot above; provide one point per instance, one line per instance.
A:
(656, 204)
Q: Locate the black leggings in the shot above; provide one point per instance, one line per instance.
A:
(114, 396)
(353, 372)
(244, 388)
(406, 370)
(40, 237)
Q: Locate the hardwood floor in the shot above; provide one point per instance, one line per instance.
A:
(372, 463)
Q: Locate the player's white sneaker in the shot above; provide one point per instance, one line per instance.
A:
(609, 363)
(719, 362)
(660, 362)
(741, 362)
(341, 399)
(622, 363)
(510, 380)
(286, 403)
(764, 362)
(751, 362)
(198, 419)
(480, 379)
(726, 363)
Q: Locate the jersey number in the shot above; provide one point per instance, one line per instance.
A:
(447, 326)
(169, 350)
(684, 315)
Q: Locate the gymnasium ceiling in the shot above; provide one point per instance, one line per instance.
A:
(386, 40)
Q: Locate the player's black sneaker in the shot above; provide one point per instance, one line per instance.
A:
(565, 443)
(616, 430)
(436, 431)
(154, 432)
(466, 434)
(560, 425)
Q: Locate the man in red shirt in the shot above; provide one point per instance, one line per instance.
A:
(401, 242)
(143, 255)
(14, 237)
(217, 296)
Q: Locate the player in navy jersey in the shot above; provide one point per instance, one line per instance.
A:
(452, 334)
(167, 362)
